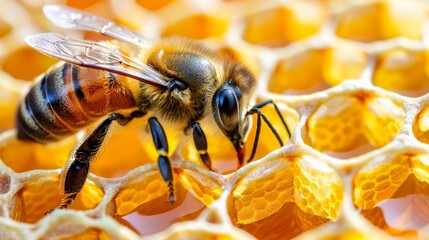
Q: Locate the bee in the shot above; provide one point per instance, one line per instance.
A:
(174, 81)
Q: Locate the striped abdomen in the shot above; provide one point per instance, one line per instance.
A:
(68, 98)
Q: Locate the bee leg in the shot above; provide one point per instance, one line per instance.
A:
(257, 110)
(201, 145)
(161, 145)
(75, 174)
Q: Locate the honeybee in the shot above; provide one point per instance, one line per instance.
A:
(175, 81)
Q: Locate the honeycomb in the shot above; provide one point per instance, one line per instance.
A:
(349, 77)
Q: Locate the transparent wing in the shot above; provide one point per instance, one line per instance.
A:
(70, 18)
(93, 55)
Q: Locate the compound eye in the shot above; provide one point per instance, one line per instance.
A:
(226, 107)
(227, 102)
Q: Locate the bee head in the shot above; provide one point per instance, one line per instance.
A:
(230, 104)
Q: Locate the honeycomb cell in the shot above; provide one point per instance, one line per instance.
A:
(392, 192)
(336, 125)
(138, 206)
(313, 70)
(403, 71)
(193, 190)
(265, 196)
(150, 218)
(381, 20)
(277, 27)
(343, 63)
(198, 26)
(142, 189)
(22, 156)
(14, 62)
(40, 195)
(143, 201)
(299, 74)
(347, 126)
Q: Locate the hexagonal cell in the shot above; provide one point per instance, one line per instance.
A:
(25, 57)
(40, 194)
(145, 224)
(285, 197)
(198, 26)
(142, 204)
(314, 70)
(404, 71)
(140, 190)
(392, 192)
(421, 126)
(342, 63)
(280, 26)
(153, 5)
(348, 126)
(380, 20)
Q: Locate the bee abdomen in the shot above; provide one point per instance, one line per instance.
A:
(64, 101)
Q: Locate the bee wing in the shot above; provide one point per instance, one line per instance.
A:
(93, 55)
(70, 18)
